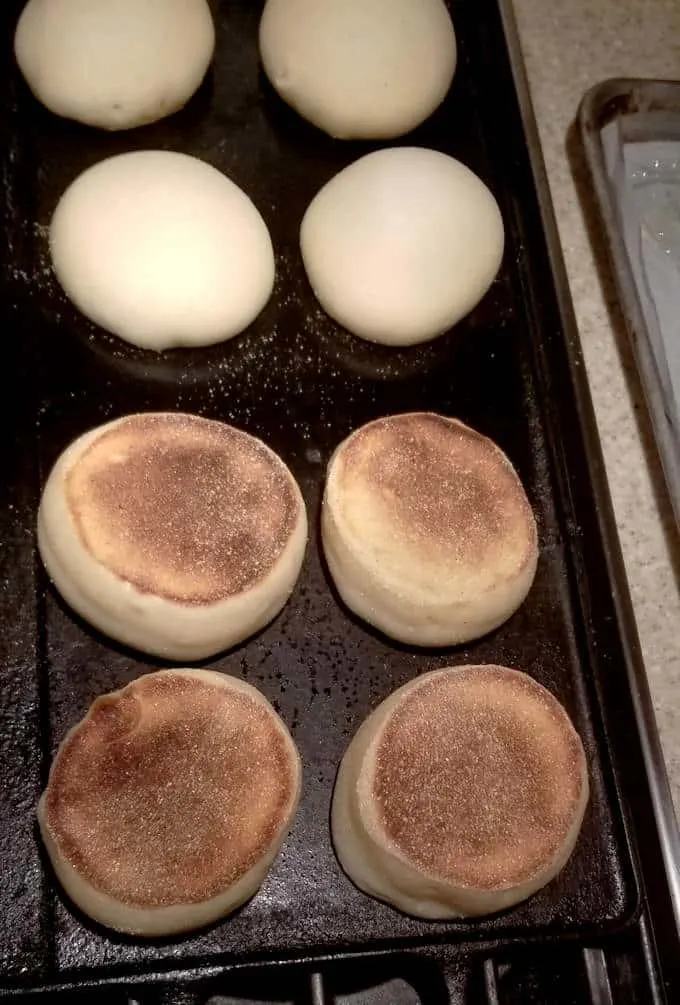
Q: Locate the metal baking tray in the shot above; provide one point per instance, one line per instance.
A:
(511, 370)
(617, 116)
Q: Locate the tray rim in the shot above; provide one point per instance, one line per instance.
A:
(590, 122)
(601, 105)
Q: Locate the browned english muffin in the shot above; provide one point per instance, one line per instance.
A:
(172, 533)
(427, 529)
(167, 803)
(463, 793)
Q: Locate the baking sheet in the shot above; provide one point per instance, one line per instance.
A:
(631, 135)
(645, 180)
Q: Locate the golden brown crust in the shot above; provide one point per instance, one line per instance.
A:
(182, 507)
(478, 777)
(170, 790)
(443, 487)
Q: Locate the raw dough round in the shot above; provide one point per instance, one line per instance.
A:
(402, 244)
(359, 69)
(174, 534)
(462, 794)
(114, 64)
(427, 530)
(162, 249)
(166, 805)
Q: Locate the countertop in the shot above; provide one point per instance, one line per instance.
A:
(568, 46)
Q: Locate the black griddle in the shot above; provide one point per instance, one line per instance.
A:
(606, 929)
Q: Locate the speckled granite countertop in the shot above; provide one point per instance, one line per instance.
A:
(568, 47)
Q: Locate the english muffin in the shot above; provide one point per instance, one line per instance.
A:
(174, 534)
(427, 530)
(166, 805)
(462, 794)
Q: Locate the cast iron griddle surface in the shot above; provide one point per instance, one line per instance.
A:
(302, 384)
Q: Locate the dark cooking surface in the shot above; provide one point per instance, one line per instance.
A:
(301, 384)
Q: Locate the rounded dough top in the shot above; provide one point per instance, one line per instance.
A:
(402, 244)
(478, 776)
(182, 507)
(425, 499)
(114, 63)
(162, 249)
(172, 788)
(359, 69)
